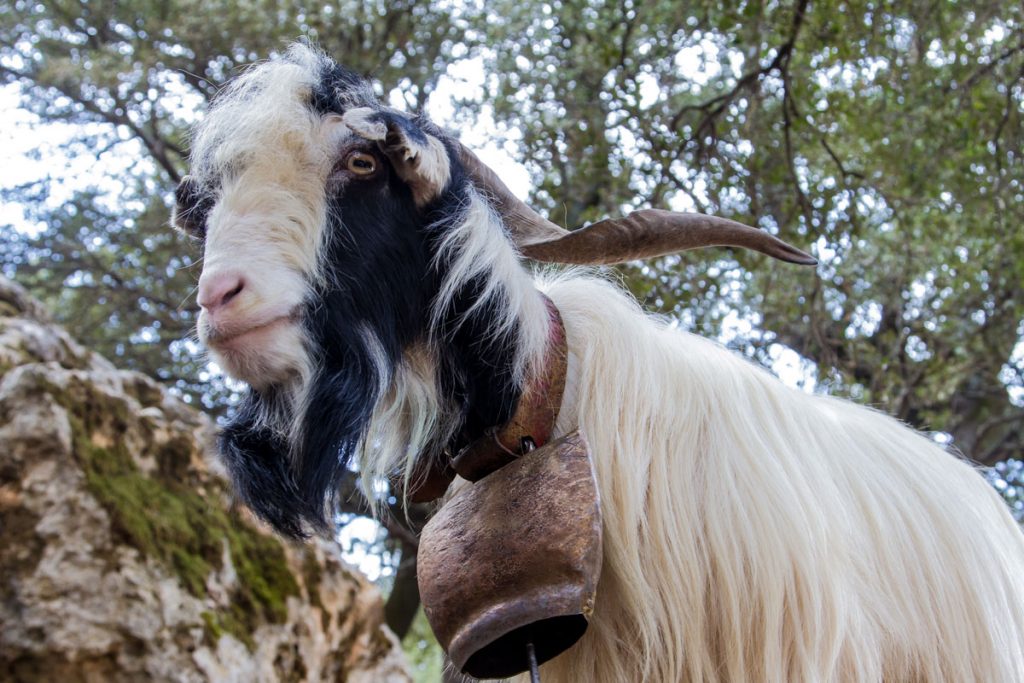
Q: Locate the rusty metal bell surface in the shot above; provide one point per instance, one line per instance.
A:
(515, 558)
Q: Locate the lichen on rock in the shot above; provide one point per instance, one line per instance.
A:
(122, 557)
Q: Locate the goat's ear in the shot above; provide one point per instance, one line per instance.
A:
(419, 159)
(189, 214)
(642, 234)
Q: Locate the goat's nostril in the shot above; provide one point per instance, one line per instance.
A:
(233, 293)
(218, 291)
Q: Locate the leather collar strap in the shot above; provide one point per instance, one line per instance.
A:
(531, 425)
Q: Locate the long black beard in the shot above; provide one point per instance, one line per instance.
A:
(294, 488)
(378, 293)
(256, 458)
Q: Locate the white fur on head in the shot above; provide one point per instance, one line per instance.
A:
(262, 155)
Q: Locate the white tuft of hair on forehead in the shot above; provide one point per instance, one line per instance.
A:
(270, 99)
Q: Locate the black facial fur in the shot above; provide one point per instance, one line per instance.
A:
(382, 279)
(191, 208)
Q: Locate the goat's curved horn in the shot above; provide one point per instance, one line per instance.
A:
(526, 225)
(652, 232)
(642, 234)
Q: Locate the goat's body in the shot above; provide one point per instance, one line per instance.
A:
(757, 533)
(365, 279)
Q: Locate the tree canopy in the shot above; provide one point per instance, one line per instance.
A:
(885, 137)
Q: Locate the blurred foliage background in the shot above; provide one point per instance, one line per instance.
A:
(884, 137)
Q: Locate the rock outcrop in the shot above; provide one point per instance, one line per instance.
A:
(121, 556)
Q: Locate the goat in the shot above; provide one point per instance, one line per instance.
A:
(363, 274)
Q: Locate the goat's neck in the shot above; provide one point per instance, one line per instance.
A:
(490, 324)
(530, 426)
(485, 375)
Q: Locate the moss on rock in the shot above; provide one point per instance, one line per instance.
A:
(312, 574)
(171, 522)
(122, 558)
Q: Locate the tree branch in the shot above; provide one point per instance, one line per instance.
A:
(155, 145)
(716, 105)
(846, 173)
(987, 68)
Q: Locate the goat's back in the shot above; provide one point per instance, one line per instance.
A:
(757, 533)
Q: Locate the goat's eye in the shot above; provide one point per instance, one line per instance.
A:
(361, 163)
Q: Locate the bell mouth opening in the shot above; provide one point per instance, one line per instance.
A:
(507, 655)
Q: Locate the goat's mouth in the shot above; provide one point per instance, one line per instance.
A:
(268, 352)
(238, 336)
(234, 338)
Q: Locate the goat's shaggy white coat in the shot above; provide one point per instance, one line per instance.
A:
(752, 532)
(757, 533)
